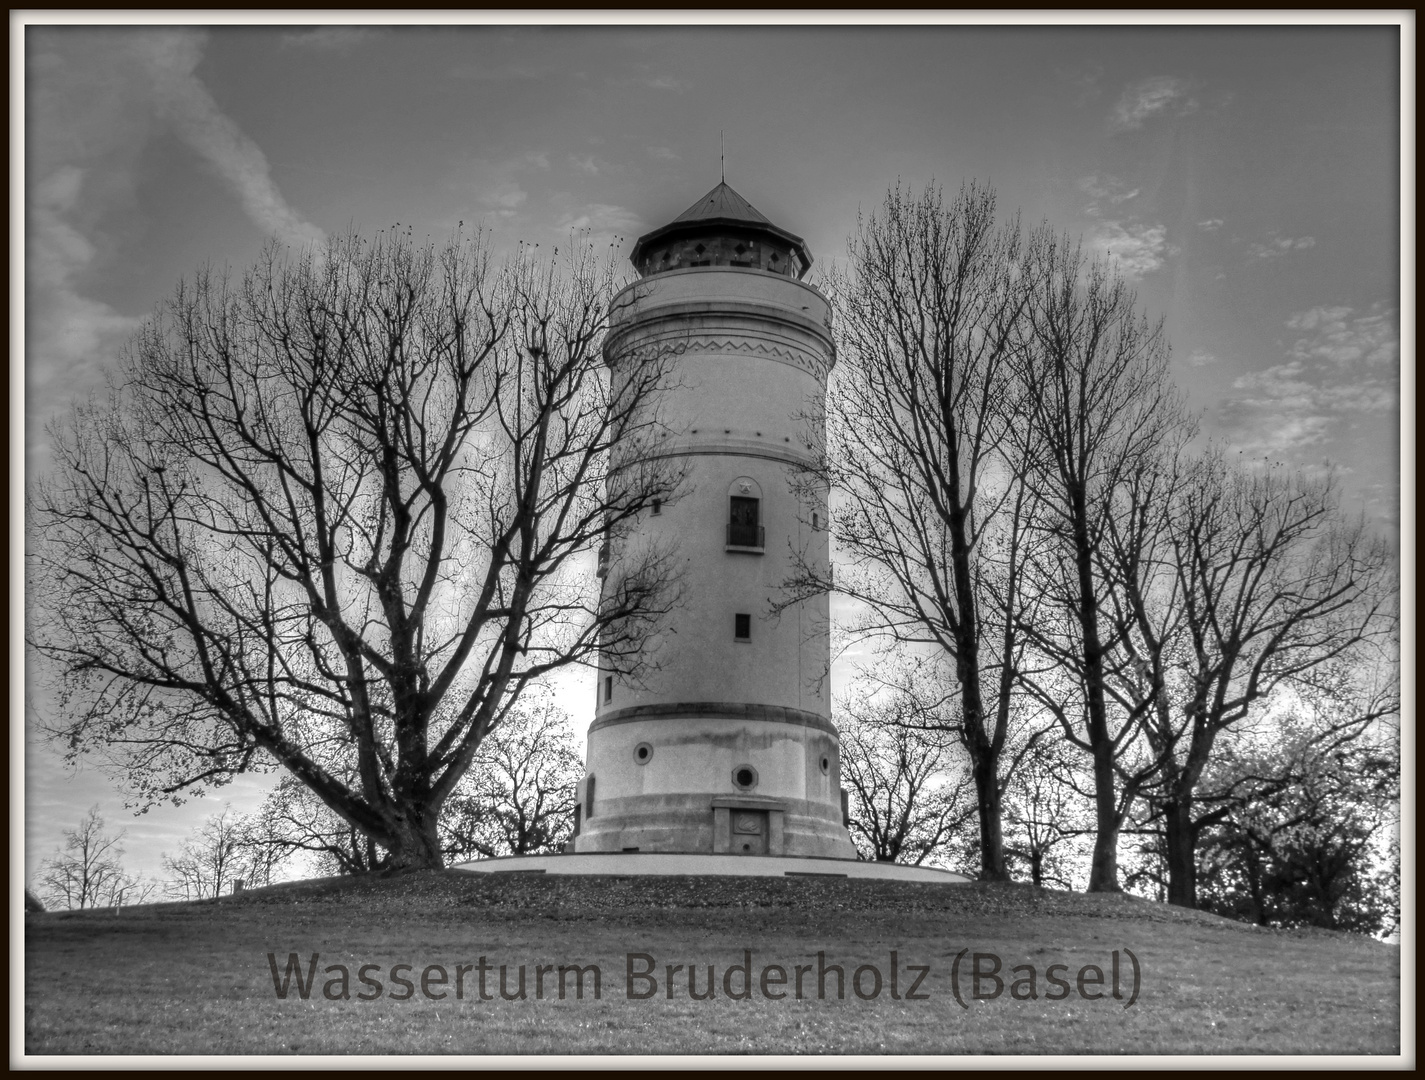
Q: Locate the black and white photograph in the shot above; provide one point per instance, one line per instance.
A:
(712, 539)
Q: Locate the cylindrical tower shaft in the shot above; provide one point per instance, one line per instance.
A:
(726, 744)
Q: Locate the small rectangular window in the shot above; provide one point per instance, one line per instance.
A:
(742, 627)
(608, 688)
(657, 507)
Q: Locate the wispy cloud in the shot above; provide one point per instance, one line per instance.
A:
(69, 336)
(663, 153)
(1201, 358)
(1277, 246)
(584, 164)
(603, 225)
(1102, 186)
(1163, 95)
(1344, 368)
(647, 76)
(1340, 336)
(602, 216)
(1136, 246)
(328, 38)
(1210, 225)
(1084, 81)
(508, 70)
(96, 98)
(171, 58)
(1136, 249)
(499, 186)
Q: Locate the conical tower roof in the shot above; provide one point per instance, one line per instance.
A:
(723, 211)
(722, 204)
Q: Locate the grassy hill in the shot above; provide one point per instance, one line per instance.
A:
(197, 978)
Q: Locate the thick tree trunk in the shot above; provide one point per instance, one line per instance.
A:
(1182, 855)
(987, 793)
(416, 840)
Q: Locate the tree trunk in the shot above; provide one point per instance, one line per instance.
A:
(987, 793)
(1103, 877)
(1182, 854)
(416, 840)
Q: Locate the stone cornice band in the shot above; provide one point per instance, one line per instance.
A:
(715, 710)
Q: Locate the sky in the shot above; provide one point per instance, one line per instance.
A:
(1246, 178)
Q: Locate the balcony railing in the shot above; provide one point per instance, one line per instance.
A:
(746, 536)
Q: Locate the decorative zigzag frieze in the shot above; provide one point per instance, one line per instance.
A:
(802, 358)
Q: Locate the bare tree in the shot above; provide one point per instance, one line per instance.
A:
(1044, 812)
(293, 821)
(521, 800)
(219, 854)
(339, 511)
(518, 798)
(911, 796)
(1097, 406)
(130, 890)
(88, 871)
(1308, 838)
(1274, 596)
(917, 413)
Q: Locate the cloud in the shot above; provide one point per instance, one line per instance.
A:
(1104, 186)
(95, 99)
(604, 224)
(171, 57)
(505, 197)
(1343, 370)
(1210, 225)
(1201, 358)
(1277, 246)
(69, 336)
(1344, 340)
(584, 164)
(1085, 82)
(603, 216)
(651, 80)
(1136, 249)
(498, 186)
(511, 70)
(663, 153)
(328, 38)
(1163, 95)
(89, 117)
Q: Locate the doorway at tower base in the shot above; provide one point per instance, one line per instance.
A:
(663, 864)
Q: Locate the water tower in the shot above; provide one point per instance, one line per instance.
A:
(729, 746)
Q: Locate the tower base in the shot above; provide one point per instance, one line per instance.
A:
(662, 864)
(713, 778)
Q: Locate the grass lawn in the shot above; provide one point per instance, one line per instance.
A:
(196, 979)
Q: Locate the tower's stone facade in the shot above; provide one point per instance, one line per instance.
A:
(728, 746)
